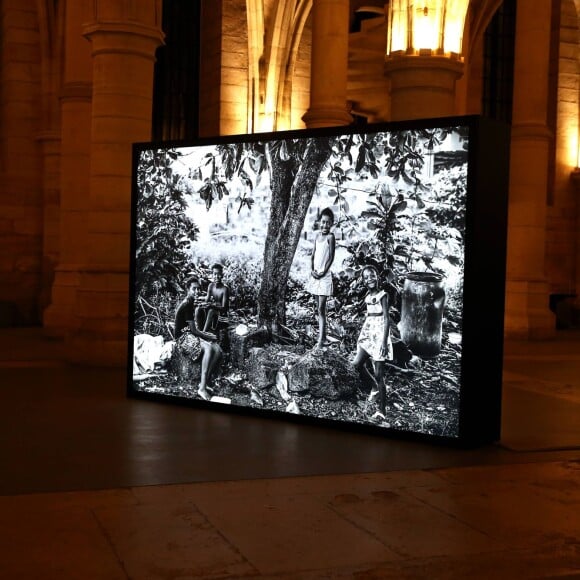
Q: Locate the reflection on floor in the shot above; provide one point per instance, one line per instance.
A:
(95, 485)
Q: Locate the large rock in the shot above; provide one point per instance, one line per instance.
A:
(264, 363)
(262, 367)
(324, 374)
(241, 344)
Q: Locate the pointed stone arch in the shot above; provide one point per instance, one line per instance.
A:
(480, 14)
(301, 15)
(255, 23)
(275, 30)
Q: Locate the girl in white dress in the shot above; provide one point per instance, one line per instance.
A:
(374, 341)
(320, 281)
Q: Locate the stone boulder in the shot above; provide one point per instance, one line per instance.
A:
(324, 374)
(264, 363)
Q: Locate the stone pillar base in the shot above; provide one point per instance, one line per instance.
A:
(527, 314)
(326, 117)
(58, 321)
(59, 317)
(102, 307)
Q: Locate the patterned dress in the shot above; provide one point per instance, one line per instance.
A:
(187, 343)
(371, 335)
(322, 286)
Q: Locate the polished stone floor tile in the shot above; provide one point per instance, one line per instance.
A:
(517, 515)
(293, 534)
(159, 542)
(55, 543)
(507, 565)
(476, 523)
(411, 528)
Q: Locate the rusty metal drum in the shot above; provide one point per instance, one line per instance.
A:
(422, 307)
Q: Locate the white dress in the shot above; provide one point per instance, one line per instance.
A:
(371, 335)
(322, 286)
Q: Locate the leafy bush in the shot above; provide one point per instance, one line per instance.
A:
(163, 234)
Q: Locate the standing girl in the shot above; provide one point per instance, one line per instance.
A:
(320, 282)
(374, 341)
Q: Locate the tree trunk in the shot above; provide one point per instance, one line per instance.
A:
(293, 183)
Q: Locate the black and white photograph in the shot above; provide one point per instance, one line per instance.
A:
(318, 275)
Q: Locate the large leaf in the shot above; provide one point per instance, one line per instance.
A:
(369, 214)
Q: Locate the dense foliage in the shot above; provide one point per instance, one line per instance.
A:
(163, 236)
(411, 217)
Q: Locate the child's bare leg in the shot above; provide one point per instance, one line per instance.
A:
(199, 317)
(205, 362)
(359, 363)
(210, 320)
(380, 375)
(321, 320)
(213, 364)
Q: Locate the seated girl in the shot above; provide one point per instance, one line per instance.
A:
(196, 343)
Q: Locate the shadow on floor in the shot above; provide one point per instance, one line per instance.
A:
(72, 428)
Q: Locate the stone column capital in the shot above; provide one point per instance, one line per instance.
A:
(531, 132)
(122, 37)
(422, 71)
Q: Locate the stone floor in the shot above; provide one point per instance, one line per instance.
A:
(95, 485)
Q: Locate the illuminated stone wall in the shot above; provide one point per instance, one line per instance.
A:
(561, 236)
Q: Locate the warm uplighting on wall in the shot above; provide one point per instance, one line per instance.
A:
(573, 155)
(426, 27)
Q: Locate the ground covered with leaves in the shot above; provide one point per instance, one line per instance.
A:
(422, 396)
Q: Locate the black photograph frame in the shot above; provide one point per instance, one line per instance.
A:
(449, 395)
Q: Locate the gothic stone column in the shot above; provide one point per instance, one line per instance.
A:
(527, 292)
(60, 317)
(328, 76)
(75, 119)
(124, 37)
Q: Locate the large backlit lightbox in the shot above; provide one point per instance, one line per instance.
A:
(237, 235)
